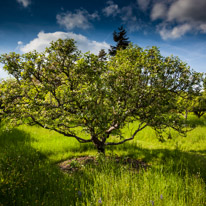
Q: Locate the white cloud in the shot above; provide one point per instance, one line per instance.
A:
(203, 28)
(180, 16)
(78, 19)
(19, 42)
(126, 14)
(176, 32)
(188, 10)
(111, 10)
(83, 43)
(3, 74)
(25, 3)
(128, 18)
(158, 11)
(19, 45)
(143, 4)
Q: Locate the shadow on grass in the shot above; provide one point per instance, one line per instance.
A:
(193, 162)
(194, 121)
(27, 177)
(203, 152)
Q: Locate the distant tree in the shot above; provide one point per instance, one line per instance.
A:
(199, 105)
(102, 55)
(121, 40)
(64, 91)
(194, 103)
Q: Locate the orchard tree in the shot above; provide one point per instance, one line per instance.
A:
(196, 103)
(62, 90)
(9, 112)
(121, 39)
(199, 105)
(199, 102)
(1, 110)
(1, 103)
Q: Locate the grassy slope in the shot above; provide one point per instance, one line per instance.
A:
(29, 174)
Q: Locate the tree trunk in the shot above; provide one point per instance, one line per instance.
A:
(198, 114)
(99, 145)
(186, 113)
(101, 150)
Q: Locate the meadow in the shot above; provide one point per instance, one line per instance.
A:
(175, 174)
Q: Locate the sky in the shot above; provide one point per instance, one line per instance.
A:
(176, 27)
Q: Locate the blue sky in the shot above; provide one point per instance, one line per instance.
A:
(177, 27)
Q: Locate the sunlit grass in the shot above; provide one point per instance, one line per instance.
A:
(29, 174)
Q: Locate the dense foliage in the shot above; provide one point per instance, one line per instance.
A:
(199, 105)
(61, 89)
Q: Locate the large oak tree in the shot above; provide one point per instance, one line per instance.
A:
(62, 89)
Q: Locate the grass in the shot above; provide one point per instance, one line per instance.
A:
(29, 173)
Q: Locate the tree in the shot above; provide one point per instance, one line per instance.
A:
(1, 110)
(62, 90)
(102, 55)
(121, 39)
(5, 110)
(1, 104)
(199, 102)
(199, 105)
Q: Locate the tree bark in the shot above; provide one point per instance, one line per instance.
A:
(186, 113)
(99, 145)
(101, 149)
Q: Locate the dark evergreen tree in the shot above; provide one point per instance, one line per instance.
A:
(102, 55)
(121, 39)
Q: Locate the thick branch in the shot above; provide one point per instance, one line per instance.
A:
(131, 138)
(112, 128)
(79, 139)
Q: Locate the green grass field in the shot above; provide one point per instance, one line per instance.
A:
(30, 175)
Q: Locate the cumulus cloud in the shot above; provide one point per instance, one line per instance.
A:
(19, 42)
(83, 43)
(25, 3)
(3, 74)
(78, 19)
(185, 16)
(175, 32)
(158, 11)
(111, 10)
(126, 14)
(188, 10)
(143, 4)
(19, 45)
(203, 27)
(129, 18)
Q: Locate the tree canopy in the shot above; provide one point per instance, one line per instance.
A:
(62, 89)
(198, 105)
